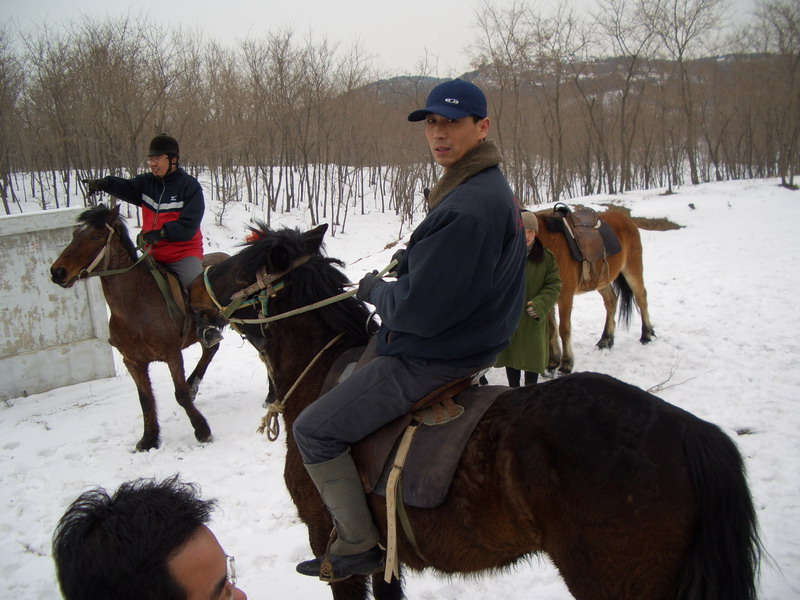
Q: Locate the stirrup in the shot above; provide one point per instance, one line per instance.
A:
(211, 337)
(332, 568)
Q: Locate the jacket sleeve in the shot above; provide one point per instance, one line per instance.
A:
(546, 299)
(186, 225)
(449, 270)
(128, 190)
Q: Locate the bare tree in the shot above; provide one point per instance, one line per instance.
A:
(621, 24)
(11, 88)
(684, 27)
(559, 40)
(779, 26)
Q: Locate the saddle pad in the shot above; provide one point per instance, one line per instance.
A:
(434, 454)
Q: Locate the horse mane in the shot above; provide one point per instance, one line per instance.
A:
(98, 216)
(318, 279)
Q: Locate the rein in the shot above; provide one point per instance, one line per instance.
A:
(240, 299)
(269, 422)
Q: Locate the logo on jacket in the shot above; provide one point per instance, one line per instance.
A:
(173, 198)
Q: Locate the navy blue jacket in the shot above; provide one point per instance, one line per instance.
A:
(460, 285)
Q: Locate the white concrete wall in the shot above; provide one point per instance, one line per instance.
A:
(49, 336)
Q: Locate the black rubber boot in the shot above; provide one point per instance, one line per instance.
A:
(354, 549)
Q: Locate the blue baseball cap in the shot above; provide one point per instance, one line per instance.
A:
(455, 100)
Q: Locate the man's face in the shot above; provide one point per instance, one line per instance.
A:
(200, 567)
(159, 165)
(450, 140)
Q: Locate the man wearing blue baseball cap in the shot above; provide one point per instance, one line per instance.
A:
(453, 308)
(458, 108)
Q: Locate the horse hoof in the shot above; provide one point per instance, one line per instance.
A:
(204, 438)
(605, 344)
(144, 445)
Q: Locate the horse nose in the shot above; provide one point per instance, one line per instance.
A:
(57, 274)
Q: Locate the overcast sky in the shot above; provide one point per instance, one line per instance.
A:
(397, 33)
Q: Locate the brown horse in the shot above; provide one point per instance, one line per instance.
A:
(631, 498)
(624, 281)
(141, 326)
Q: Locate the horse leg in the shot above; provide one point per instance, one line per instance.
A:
(202, 432)
(634, 275)
(200, 370)
(565, 331)
(387, 591)
(553, 342)
(141, 377)
(610, 302)
(596, 571)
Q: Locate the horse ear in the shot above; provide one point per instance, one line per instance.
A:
(114, 214)
(313, 238)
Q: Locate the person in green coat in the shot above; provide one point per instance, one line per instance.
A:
(529, 350)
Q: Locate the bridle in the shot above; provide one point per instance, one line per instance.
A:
(89, 271)
(266, 286)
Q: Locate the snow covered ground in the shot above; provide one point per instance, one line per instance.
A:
(723, 294)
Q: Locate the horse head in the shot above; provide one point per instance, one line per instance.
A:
(277, 271)
(90, 244)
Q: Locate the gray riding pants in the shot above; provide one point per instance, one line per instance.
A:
(187, 269)
(376, 394)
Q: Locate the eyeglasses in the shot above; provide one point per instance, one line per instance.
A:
(230, 576)
(154, 159)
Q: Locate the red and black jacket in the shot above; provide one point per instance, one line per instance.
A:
(174, 203)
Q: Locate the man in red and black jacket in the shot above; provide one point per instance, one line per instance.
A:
(172, 209)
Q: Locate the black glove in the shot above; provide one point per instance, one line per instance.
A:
(151, 237)
(398, 256)
(365, 286)
(95, 185)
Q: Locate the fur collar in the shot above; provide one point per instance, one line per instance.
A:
(480, 158)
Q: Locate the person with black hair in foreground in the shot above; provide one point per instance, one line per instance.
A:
(149, 540)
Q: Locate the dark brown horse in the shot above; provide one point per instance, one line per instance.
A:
(624, 282)
(631, 498)
(141, 326)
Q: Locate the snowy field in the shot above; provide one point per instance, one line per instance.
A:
(723, 294)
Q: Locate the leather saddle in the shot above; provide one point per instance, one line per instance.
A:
(446, 418)
(591, 241)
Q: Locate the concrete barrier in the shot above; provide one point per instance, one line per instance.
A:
(49, 337)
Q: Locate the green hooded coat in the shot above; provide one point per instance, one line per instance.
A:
(529, 350)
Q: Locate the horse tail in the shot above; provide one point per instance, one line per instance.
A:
(722, 561)
(625, 298)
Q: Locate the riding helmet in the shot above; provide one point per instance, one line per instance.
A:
(163, 144)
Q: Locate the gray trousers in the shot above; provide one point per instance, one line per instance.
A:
(187, 269)
(376, 394)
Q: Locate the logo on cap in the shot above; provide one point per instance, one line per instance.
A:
(451, 100)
